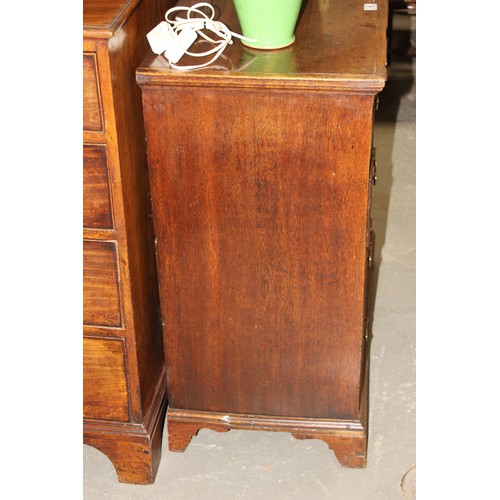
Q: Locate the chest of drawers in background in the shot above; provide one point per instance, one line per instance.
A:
(261, 174)
(124, 393)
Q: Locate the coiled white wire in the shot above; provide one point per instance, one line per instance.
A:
(199, 24)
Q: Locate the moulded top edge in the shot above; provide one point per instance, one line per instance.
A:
(312, 82)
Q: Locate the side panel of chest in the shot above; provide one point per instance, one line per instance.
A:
(260, 202)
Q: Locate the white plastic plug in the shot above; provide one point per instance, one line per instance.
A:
(173, 37)
(160, 37)
(177, 47)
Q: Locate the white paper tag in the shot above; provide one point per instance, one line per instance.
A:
(370, 6)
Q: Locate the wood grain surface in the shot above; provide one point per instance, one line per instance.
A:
(97, 212)
(101, 294)
(260, 215)
(105, 391)
(92, 112)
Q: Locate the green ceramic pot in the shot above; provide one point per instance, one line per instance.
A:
(270, 23)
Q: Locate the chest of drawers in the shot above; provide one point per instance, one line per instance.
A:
(261, 171)
(124, 376)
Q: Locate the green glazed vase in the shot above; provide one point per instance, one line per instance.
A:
(269, 23)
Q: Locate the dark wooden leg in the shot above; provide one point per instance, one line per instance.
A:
(135, 458)
(180, 434)
(349, 450)
(133, 449)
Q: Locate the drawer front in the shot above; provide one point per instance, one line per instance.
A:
(92, 108)
(101, 296)
(96, 195)
(105, 395)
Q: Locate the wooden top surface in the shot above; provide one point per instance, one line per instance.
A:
(339, 45)
(103, 17)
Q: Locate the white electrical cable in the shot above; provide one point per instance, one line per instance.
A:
(199, 22)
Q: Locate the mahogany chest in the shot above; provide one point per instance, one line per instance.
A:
(261, 168)
(124, 376)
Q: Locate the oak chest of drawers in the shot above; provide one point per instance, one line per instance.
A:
(261, 170)
(124, 393)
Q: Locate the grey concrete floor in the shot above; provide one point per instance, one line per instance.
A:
(271, 466)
